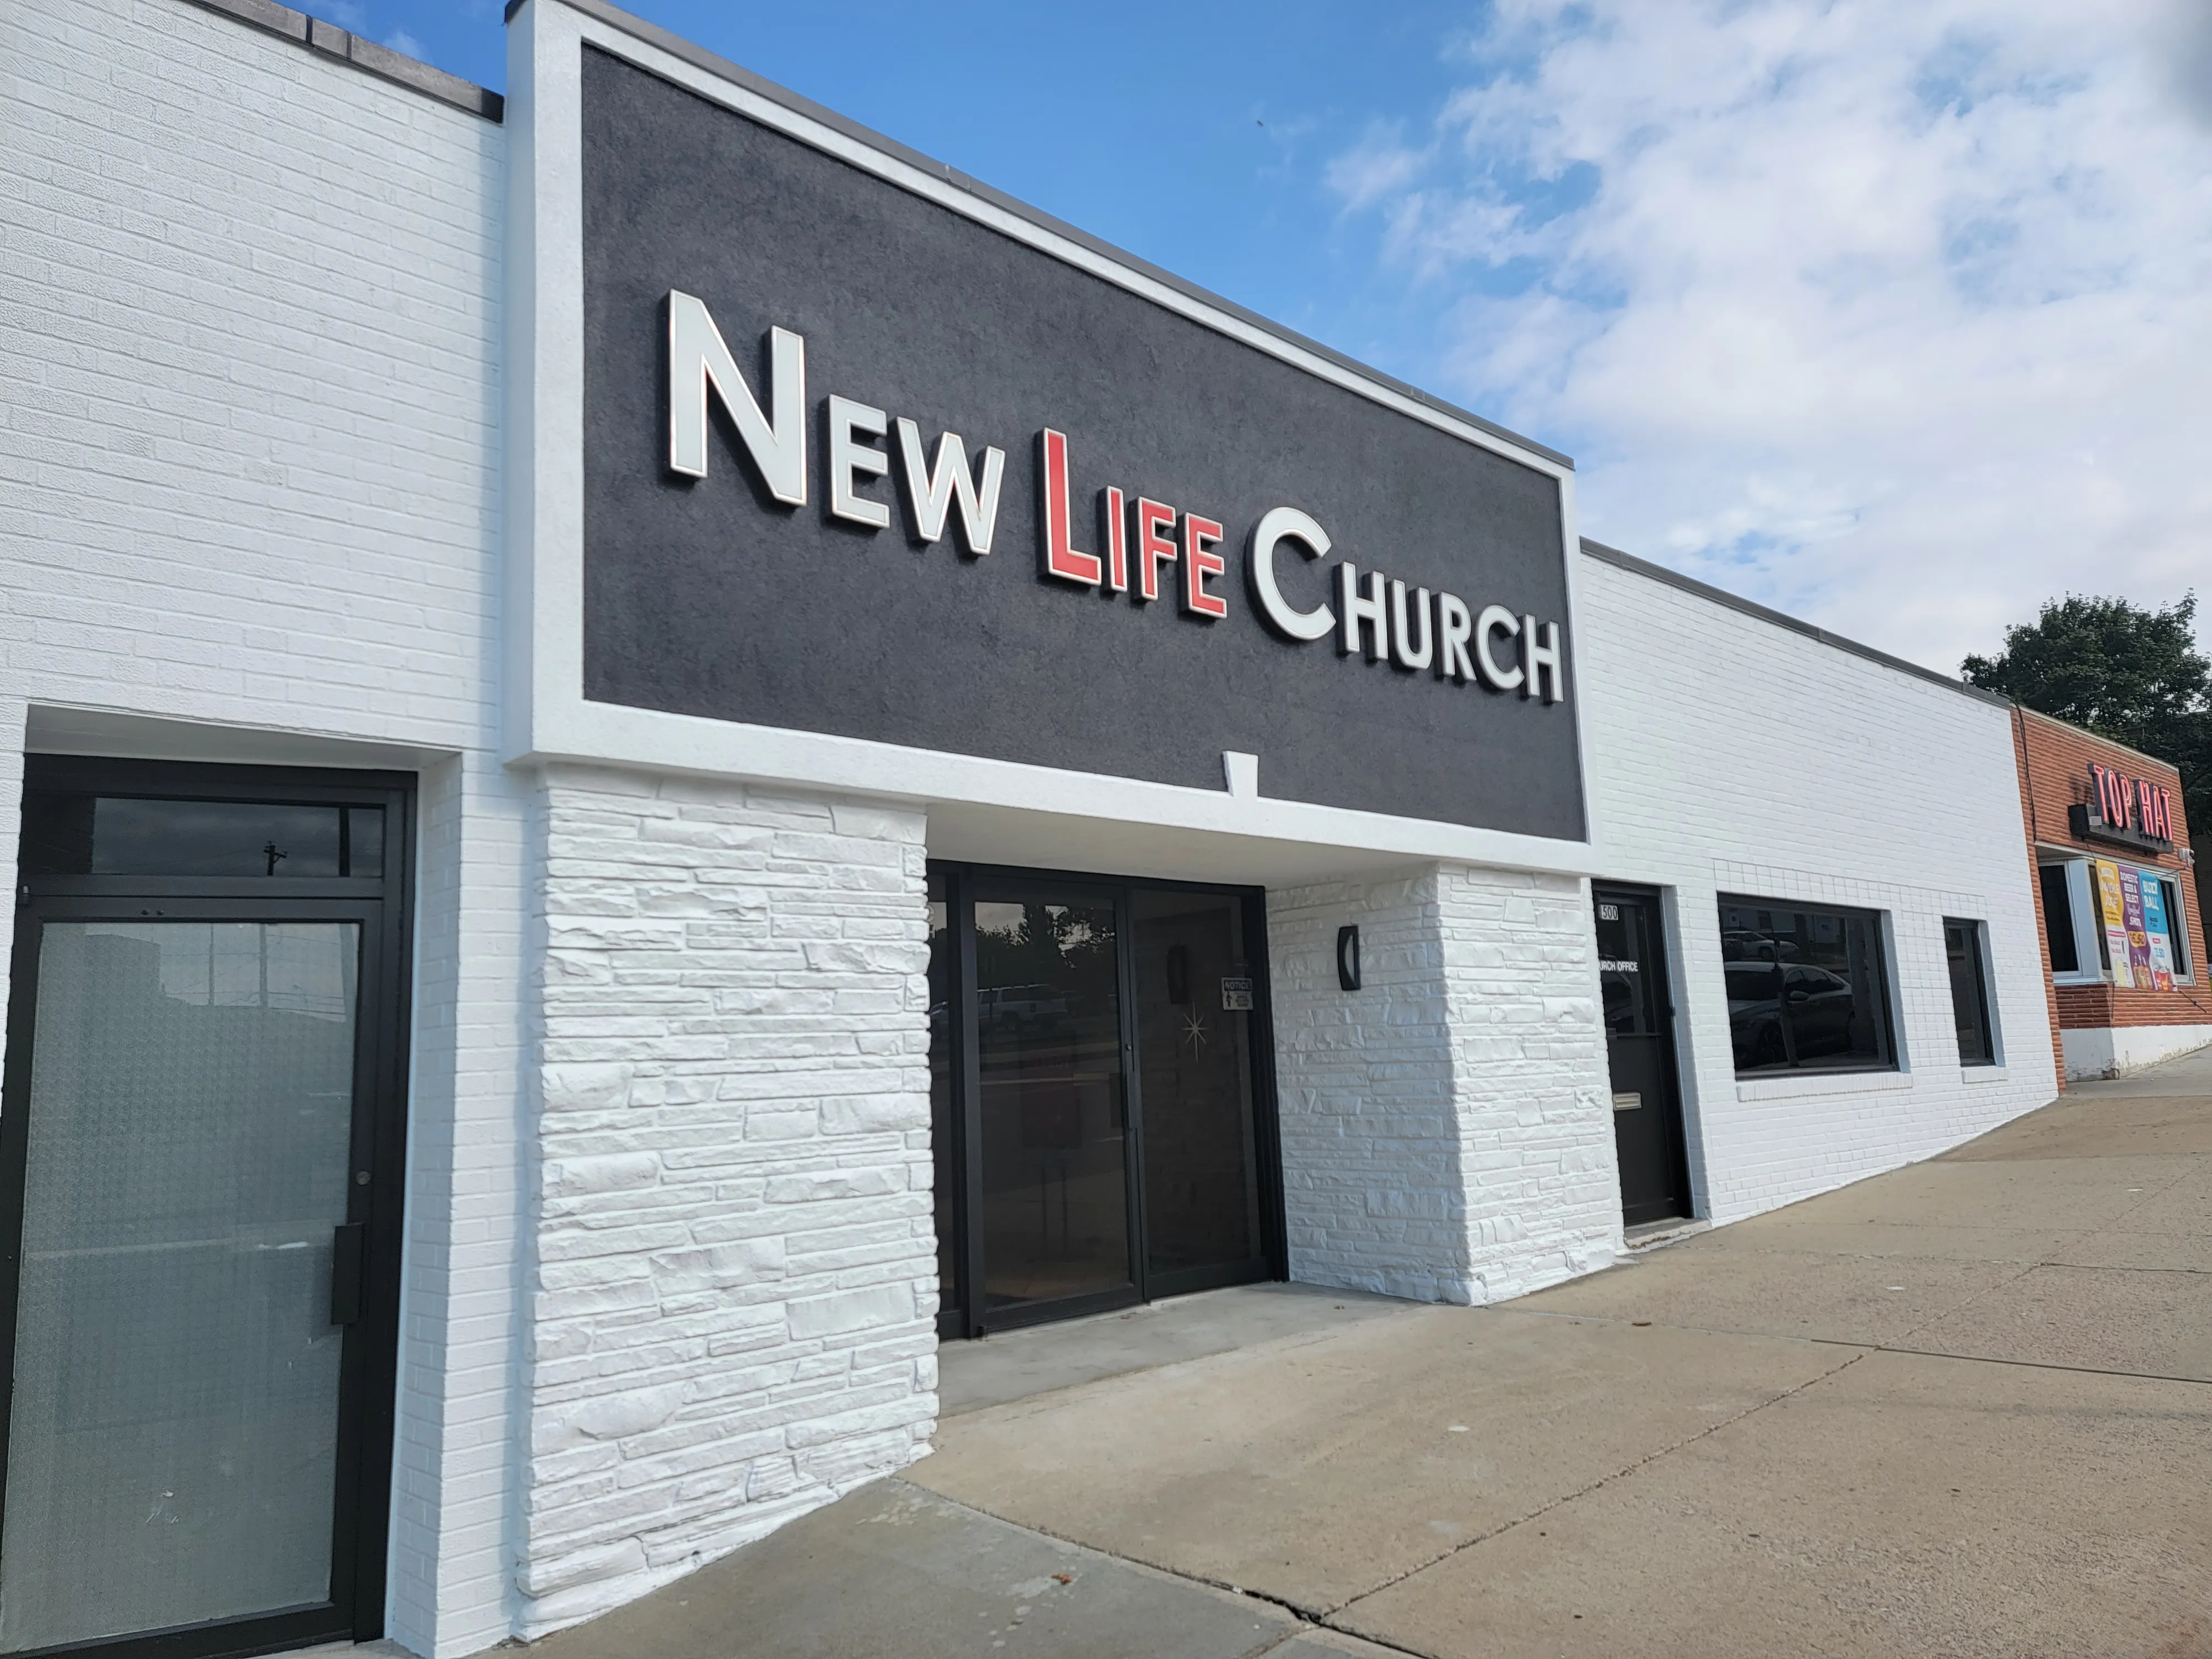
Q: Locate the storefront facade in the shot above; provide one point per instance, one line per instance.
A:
(757, 759)
(2118, 897)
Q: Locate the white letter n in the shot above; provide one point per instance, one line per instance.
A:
(697, 360)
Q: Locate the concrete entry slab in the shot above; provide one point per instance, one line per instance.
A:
(1447, 1481)
(1900, 1506)
(2083, 1124)
(1313, 1472)
(2185, 1076)
(1858, 1298)
(2124, 1248)
(2151, 1322)
(993, 1371)
(2181, 1207)
(894, 1570)
(2066, 1193)
(2019, 1244)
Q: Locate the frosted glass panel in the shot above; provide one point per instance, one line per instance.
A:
(173, 1437)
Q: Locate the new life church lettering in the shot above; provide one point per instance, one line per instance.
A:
(1136, 536)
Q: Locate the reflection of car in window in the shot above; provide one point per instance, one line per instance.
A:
(1741, 945)
(1754, 1001)
(1018, 1005)
(1820, 1008)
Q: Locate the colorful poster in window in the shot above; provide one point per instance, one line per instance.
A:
(2132, 910)
(2112, 903)
(2156, 924)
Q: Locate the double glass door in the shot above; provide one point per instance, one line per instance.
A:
(1100, 1104)
(199, 1184)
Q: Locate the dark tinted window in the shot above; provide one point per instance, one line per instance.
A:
(2177, 927)
(1807, 988)
(1970, 995)
(2058, 919)
(68, 834)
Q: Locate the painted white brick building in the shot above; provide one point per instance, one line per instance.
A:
(742, 1060)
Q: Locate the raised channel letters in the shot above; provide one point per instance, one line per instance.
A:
(2127, 811)
(1376, 617)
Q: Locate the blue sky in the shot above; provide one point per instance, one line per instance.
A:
(1894, 313)
(1197, 135)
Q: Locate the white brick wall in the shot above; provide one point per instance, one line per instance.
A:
(1730, 755)
(249, 333)
(1446, 1129)
(734, 1300)
(670, 1271)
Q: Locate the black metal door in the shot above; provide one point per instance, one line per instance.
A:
(1639, 1046)
(201, 1170)
(1101, 1102)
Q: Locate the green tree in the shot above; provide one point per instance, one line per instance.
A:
(2132, 675)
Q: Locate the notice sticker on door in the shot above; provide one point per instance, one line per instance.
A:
(1629, 1103)
(1236, 996)
(1608, 913)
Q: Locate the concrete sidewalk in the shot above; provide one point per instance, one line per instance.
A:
(1964, 1409)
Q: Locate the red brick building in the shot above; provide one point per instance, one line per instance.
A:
(2123, 924)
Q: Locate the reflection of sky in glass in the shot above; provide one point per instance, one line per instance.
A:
(131, 837)
(300, 967)
(1006, 921)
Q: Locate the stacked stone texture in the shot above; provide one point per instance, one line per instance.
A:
(736, 1276)
(1446, 1130)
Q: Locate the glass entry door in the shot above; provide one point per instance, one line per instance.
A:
(198, 1140)
(1054, 1209)
(1100, 1102)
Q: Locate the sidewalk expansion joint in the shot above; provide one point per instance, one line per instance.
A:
(1866, 1345)
(1998, 1359)
(1621, 1473)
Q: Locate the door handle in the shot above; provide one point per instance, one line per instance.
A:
(348, 1258)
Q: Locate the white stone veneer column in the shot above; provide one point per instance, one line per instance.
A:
(735, 1273)
(1447, 1130)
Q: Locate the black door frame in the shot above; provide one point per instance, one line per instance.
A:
(960, 1312)
(1678, 1128)
(368, 1365)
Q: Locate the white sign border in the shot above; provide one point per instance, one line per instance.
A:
(548, 719)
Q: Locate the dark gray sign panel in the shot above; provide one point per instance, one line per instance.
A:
(706, 594)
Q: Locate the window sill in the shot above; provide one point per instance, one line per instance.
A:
(1983, 1074)
(1798, 1085)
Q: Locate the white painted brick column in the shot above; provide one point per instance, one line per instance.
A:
(736, 1275)
(1531, 1080)
(1446, 1129)
(1372, 1191)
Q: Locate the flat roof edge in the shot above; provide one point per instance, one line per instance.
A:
(699, 57)
(361, 54)
(2098, 737)
(1659, 573)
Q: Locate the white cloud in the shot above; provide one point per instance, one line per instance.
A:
(1897, 315)
(1378, 165)
(406, 44)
